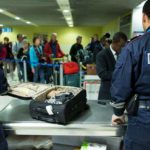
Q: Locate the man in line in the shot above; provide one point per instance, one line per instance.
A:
(15, 49)
(105, 65)
(76, 48)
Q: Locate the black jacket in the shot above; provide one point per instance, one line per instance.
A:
(105, 65)
(95, 48)
(74, 50)
(3, 81)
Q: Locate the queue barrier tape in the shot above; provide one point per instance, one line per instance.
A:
(20, 60)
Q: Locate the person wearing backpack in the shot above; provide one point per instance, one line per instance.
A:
(75, 49)
(37, 60)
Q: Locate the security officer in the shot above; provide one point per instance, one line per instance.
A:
(3, 88)
(3, 143)
(132, 76)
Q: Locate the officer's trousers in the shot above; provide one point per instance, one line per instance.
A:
(3, 143)
(137, 135)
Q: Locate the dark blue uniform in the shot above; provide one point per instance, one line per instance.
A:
(132, 76)
(3, 143)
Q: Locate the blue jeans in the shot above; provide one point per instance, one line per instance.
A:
(138, 133)
(48, 74)
(21, 71)
(39, 75)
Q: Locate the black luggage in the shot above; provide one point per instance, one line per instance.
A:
(66, 107)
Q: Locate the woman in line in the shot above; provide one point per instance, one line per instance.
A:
(37, 61)
(23, 55)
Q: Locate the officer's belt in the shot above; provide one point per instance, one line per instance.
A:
(143, 97)
(144, 105)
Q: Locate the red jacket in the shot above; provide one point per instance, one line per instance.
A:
(3, 52)
(48, 51)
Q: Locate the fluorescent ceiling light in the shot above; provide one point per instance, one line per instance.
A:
(1, 10)
(66, 11)
(11, 15)
(68, 18)
(28, 22)
(17, 18)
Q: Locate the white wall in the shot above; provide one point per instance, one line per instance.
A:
(137, 19)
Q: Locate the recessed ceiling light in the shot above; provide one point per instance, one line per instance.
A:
(17, 18)
(1, 10)
(28, 22)
(66, 11)
(1, 25)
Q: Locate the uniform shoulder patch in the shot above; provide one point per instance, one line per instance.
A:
(148, 57)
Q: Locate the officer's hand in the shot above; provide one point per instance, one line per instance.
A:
(116, 120)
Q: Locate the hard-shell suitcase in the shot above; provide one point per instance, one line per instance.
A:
(59, 113)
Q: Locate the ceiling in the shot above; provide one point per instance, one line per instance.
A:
(84, 12)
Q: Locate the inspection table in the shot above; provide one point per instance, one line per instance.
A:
(96, 121)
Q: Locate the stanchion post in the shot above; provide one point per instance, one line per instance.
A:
(61, 74)
(25, 70)
(80, 74)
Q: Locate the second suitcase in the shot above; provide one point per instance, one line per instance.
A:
(72, 80)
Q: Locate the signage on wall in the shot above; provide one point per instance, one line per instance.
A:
(6, 29)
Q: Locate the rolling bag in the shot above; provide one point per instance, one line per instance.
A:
(72, 80)
(61, 108)
(71, 74)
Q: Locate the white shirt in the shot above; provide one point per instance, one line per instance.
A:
(113, 52)
(16, 47)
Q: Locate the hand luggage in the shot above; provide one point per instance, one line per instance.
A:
(70, 68)
(62, 107)
(91, 69)
(72, 80)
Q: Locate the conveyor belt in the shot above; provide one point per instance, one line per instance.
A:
(94, 122)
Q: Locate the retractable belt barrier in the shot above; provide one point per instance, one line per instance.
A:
(20, 60)
(25, 62)
(53, 65)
